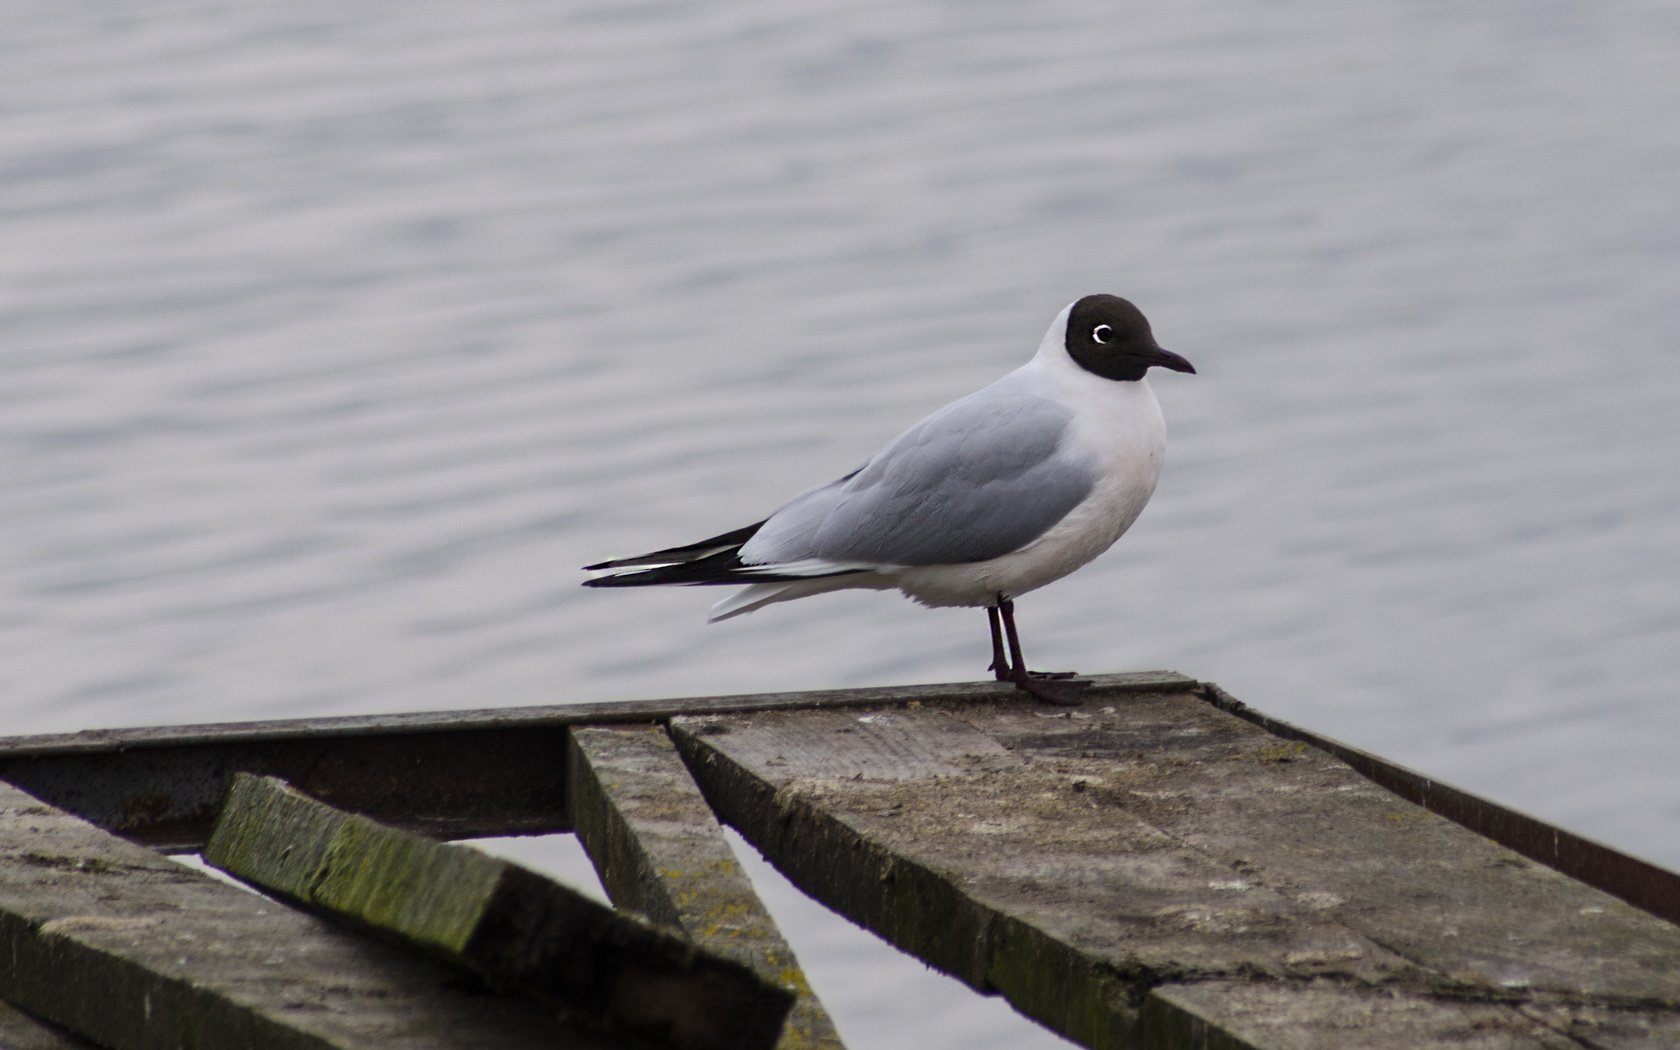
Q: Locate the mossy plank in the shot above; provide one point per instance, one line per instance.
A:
(660, 852)
(504, 921)
(1082, 862)
(124, 947)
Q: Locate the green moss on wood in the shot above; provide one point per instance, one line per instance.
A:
(510, 924)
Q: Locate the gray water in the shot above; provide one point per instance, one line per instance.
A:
(335, 336)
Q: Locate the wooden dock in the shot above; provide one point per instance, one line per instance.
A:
(1161, 867)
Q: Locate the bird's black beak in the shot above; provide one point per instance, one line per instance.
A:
(1168, 359)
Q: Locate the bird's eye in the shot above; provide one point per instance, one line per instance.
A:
(1102, 333)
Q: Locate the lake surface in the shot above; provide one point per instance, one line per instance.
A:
(335, 337)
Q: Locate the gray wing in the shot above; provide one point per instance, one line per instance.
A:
(980, 478)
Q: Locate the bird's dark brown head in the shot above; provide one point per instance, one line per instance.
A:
(1109, 337)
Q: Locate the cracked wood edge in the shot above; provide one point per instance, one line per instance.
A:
(659, 851)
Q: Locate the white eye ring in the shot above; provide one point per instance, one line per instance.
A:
(1101, 333)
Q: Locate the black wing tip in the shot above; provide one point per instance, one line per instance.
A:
(640, 561)
(625, 578)
(690, 552)
(718, 566)
(609, 581)
(711, 573)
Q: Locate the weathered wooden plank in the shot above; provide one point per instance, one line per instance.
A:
(135, 952)
(1354, 853)
(510, 924)
(981, 875)
(494, 772)
(487, 773)
(1161, 842)
(660, 852)
(19, 1031)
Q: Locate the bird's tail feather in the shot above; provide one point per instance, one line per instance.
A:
(761, 594)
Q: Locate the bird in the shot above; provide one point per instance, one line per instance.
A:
(997, 494)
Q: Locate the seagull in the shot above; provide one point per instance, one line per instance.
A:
(992, 496)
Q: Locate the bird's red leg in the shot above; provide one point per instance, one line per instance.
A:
(1061, 689)
(1000, 662)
